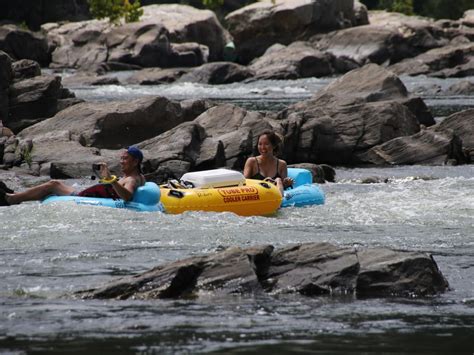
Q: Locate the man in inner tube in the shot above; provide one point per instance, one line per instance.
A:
(110, 187)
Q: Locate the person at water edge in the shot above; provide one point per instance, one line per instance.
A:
(111, 187)
(267, 165)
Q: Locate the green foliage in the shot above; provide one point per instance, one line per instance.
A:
(438, 9)
(444, 8)
(23, 25)
(212, 4)
(27, 155)
(115, 10)
(402, 6)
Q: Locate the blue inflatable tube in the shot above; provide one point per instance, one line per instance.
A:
(145, 199)
(303, 192)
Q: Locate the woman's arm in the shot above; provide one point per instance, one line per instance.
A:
(249, 168)
(283, 167)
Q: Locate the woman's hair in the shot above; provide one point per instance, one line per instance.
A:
(274, 139)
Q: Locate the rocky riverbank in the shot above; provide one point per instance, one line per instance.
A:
(367, 116)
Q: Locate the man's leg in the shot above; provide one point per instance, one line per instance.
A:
(53, 187)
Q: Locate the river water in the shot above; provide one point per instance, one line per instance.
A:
(50, 251)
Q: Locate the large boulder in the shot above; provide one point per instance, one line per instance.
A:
(462, 124)
(389, 38)
(25, 69)
(66, 145)
(259, 25)
(298, 60)
(24, 44)
(362, 109)
(432, 146)
(436, 60)
(156, 76)
(166, 35)
(465, 87)
(188, 24)
(218, 73)
(35, 99)
(224, 135)
(113, 125)
(463, 70)
(312, 269)
(6, 78)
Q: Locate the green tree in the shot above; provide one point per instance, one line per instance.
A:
(403, 6)
(447, 9)
(115, 10)
(212, 4)
(438, 9)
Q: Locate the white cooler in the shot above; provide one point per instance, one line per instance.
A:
(214, 178)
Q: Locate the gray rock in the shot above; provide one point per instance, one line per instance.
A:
(35, 99)
(298, 60)
(462, 124)
(361, 15)
(193, 108)
(145, 44)
(459, 71)
(362, 109)
(112, 125)
(188, 54)
(156, 76)
(24, 44)
(464, 87)
(188, 24)
(321, 172)
(6, 78)
(224, 135)
(166, 36)
(217, 73)
(237, 129)
(432, 146)
(260, 25)
(435, 60)
(385, 272)
(310, 269)
(89, 79)
(25, 69)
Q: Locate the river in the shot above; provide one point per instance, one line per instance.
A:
(49, 251)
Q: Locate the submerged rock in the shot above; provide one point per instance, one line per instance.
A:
(310, 269)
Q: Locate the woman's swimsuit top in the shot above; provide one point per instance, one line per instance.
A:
(259, 176)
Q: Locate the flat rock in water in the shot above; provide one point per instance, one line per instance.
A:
(310, 269)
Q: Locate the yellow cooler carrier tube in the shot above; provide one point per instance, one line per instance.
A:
(255, 198)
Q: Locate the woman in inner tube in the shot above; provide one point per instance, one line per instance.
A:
(267, 165)
(111, 187)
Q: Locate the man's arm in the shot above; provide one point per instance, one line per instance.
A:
(125, 187)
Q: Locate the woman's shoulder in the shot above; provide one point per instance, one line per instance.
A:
(251, 160)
